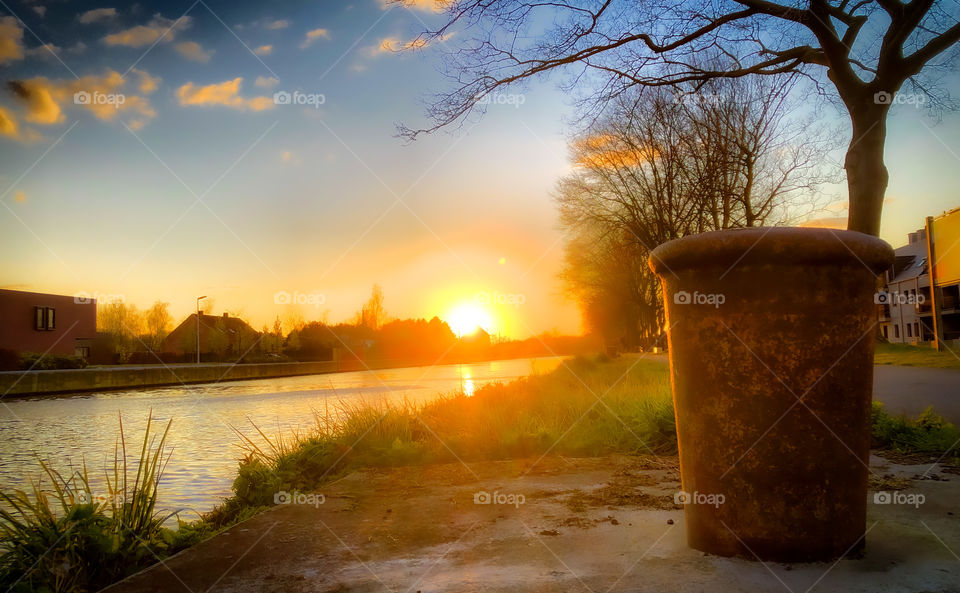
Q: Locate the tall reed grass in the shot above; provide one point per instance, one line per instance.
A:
(63, 536)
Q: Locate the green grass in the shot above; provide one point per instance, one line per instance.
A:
(587, 407)
(556, 413)
(918, 356)
(927, 434)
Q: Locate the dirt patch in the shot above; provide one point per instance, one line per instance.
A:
(946, 462)
(887, 482)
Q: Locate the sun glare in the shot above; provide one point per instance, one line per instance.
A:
(464, 319)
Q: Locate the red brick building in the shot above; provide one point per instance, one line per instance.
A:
(47, 323)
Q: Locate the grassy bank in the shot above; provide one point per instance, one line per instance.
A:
(916, 356)
(586, 407)
(927, 435)
(61, 537)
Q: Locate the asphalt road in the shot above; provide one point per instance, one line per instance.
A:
(910, 390)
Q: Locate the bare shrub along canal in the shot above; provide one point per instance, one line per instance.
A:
(68, 430)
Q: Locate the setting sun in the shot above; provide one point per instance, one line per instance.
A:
(465, 318)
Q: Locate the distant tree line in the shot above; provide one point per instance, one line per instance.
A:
(127, 335)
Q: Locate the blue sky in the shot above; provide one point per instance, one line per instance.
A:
(306, 199)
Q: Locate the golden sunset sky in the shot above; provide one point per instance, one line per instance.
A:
(202, 182)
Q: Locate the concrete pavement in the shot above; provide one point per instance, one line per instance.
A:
(592, 525)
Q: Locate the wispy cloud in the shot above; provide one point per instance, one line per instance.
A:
(313, 36)
(47, 50)
(97, 15)
(392, 44)
(424, 5)
(10, 128)
(193, 51)
(159, 28)
(265, 23)
(147, 83)
(263, 50)
(226, 93)
(266, 82)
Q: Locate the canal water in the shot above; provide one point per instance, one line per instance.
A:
(70, 430)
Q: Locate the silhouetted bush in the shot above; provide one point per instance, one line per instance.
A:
(45, 362)
(265, 357)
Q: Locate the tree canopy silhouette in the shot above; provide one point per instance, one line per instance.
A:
(865, 49)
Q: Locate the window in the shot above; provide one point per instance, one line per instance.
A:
(82, 352)
(909, 330)
(885, 332)
(44, 318)
(916, 328)
(896, 331)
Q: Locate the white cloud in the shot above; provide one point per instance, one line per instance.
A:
(277, 24)
(147, 84)
(47, 50)
(264, 50)
(266, 82)
(223, 93)
(97, 15)
(159, 28)
(193, 51)
(11, 39)
(424, 5)
(105, 96)
(313, 36)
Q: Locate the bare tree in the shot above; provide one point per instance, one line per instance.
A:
(657, 166)
(866, 49)
(122, 323)
(661, 167)
(157, 321)
(372, 314)
(607, 275)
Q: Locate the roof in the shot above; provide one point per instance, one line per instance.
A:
(218, 321)
(911, 261)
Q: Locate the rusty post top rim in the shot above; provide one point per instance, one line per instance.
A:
(772, 246)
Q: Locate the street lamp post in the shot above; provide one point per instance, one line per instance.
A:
(198, 327)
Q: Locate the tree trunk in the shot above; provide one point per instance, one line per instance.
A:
(866, 174)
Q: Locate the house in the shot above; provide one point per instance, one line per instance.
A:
(220, 335)
(906, 303)
(47, 323)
